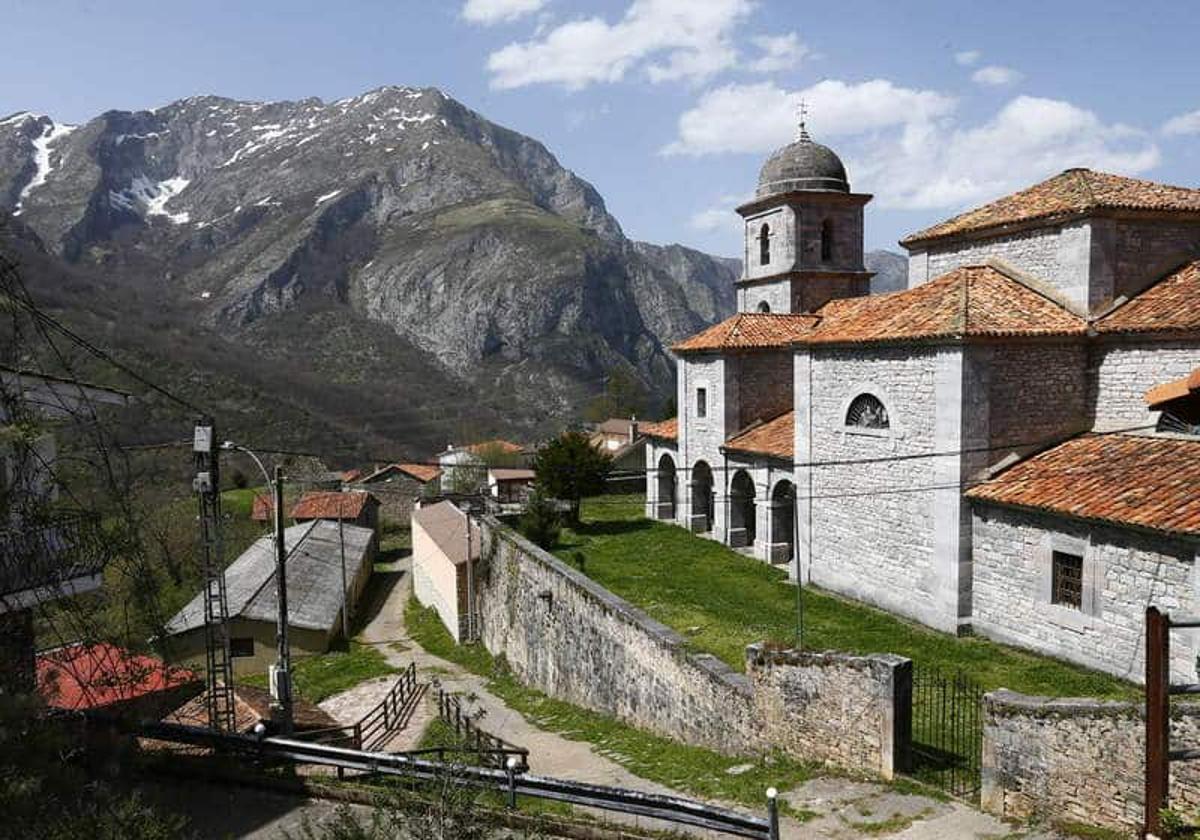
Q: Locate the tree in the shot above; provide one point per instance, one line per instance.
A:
(624, 396)
(540, 523)
(569, 468)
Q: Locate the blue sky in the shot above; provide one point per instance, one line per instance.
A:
(669, 106)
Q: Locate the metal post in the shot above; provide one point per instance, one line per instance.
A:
(799, 577)
(773, 813)
(283, 670)
(511, 767)
(345, 598)
(1158, 658)
(470, 580)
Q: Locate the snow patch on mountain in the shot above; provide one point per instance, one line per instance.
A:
(41, 160)
(152, 197)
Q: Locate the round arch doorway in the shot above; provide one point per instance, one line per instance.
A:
(703, 498)
(742, 510)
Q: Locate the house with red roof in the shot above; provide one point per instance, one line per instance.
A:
(104, 677)
(856, 438)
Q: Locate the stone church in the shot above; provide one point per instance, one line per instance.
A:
(1007, 447)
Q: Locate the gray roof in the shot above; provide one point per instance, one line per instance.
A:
(804, 166)
(447, 526)
(314, 578)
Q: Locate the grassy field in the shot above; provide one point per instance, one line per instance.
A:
(694, 770)
(721, 601)
(318, 677)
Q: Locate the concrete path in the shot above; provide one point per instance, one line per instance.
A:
(842, 809)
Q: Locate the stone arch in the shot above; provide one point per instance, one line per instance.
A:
(704, 501)
(858, 391)
(742, 513)
(783, 527)
(764, 244)
(666, 487)
(764, 307)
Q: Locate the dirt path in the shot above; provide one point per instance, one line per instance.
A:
(844, 809)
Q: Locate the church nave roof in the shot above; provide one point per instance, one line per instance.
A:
(774, 437)
(749, 331)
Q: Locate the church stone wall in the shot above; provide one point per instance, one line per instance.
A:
(1031, 393)
(1035, 252)
(847, 228)
(777, 295)
(1123, 370)
(765, 385)
(782, 222)
(1141, 252)
(1123, 573)
(878, 548)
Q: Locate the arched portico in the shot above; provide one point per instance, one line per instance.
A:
(742, 525)
(781, 546)
(666, 488)
(703, 500)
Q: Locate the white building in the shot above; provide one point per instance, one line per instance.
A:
(838, 432)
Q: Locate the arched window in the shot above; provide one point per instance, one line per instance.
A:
(763, 306)
(827, 240)
(764, 245)
(867, 412)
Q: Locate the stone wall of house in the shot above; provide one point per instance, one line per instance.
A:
(764, 383)
(846, 711)
(567, 636)
(1123, 573)
(1077, 760)
(1122, 370)
(1032, 393)
(868, 534)
(396, 497)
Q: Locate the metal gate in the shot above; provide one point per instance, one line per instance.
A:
(947, 732)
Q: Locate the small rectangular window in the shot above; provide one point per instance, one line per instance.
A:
(1066, 583)
(241, 647)
(701, 402)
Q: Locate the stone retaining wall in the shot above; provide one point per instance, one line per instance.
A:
(1078, 760)
(567, 636)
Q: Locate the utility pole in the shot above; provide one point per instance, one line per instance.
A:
(281, 683)
(207, 484)
(470, 577)
(796, 558)
(345, 598)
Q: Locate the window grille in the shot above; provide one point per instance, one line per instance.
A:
(867, 412)
(701, 402)
(1066, 584)
(241, 647)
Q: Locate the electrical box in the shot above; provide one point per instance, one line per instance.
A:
(202, 483)
(203, 441)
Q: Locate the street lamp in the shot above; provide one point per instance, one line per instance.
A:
(281, 687)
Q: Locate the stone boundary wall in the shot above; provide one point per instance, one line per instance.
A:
(1079, 760)
(567, 636)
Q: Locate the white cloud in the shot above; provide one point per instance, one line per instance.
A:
(779, 52)
(908, 146)
(762, 116)
(1182, 124)
(720, 216)
(488, 12)
(967, 57)
(995, 76)
(666, 39)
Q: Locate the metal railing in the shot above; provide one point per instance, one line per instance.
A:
(655, 806)
(377, 726)
(492, 751)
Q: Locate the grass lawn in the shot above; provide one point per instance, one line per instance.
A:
(695, 770)
(316, 677)
(721, 601)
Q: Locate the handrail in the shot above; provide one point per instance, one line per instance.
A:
(450, 710)
(656, 806)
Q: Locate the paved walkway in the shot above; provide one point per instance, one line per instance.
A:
(844, 809)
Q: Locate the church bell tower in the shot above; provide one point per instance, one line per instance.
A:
(803, 232)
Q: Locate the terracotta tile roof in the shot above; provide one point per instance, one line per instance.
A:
(1071, 193)
(423, 473)
(748, 331)
(331, 505)
(505, 446)
(1148, 482)
(976, 301)
(1170, 305)
(773, 437)
(93, 676)
(263, 508)
(1159, 395)
(614, 426)
(352, 475)
(251, 705)
(512, 474)
(663, 430)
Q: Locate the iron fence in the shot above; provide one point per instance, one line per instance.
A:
(947, 734)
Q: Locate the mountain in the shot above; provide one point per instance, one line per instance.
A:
(444, 270)
(891, 271)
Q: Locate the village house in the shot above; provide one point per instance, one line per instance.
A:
(443, 548)
(59, 556)
(353, 507)
(899, 449)
(104, 677)
(510, 485)
(322, 558)
(399, 486)
(464, 469)
(623, 442)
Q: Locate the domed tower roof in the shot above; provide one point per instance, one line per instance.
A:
(802, 166)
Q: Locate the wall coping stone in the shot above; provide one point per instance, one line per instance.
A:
(711, 665)
(758, 656)
(1006, 702)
